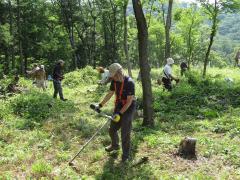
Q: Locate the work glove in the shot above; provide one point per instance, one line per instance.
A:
(117, 117)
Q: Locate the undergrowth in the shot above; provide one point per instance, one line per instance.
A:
(40, 134)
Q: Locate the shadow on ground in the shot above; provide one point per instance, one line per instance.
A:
(135, 168)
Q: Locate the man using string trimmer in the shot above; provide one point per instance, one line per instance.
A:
(125, 104)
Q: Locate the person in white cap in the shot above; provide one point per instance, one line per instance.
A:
(167, 75)
(41, 78)
(125, 104)
(104, 76)
(32, 73)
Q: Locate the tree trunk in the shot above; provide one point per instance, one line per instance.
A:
(107, 46)
(66, 10)
(163, 13)
(72, 41)
(167, 30)
(113, 26)
(189, 45)
(25, 62)
(94, 42)
(125, 38)
(6, 62)
(206, 60)
(93, 45)
(212, 35)
(150, 14)
(11, 33)
(20, 39)
(143, 63)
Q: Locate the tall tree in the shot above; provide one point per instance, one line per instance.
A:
(143, 63)
(67, 9)
(189, 22)
(111, 16)
(213, 10)
(93, 33)
(19, 28)
(167, 30)
(11, 32)
(125, 5)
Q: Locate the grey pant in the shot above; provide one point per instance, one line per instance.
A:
(57, 88)
(126, 125)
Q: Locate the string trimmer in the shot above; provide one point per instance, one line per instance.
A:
(92, 106)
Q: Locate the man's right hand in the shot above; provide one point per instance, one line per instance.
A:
(96, 107)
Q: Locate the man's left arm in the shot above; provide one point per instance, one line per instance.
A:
(130, 97)
(127, 105)
(174, 78)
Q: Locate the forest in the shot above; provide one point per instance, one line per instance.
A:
(93, 33)
(178, 60)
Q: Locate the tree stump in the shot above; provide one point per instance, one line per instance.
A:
(187, 147)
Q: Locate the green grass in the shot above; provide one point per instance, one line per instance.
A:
(41, 168)
(39, 135)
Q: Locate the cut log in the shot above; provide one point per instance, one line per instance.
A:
(187, 147)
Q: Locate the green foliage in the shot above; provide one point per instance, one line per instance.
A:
(62, 156)
(35, 107)
(7, 176)
(4, 110)
(32, 106)
(189, 23)
(6, 37)
(185, 89)
(41, 168)
(45, 34)
(197, 98)
(87, 75)
(204, 108)
(227, 40)
(85, 126)
(156, 42)
(217, 60)
(209, 113)
(98, 155)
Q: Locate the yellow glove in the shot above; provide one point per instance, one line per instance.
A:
(116, 117)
